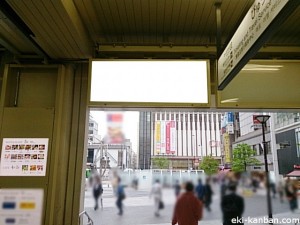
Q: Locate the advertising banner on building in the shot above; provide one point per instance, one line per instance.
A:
(24, 157)
(114, 133)
(173, 146)
(157, 137)
(230, 117)
(21, 206)
(227, 148)
(163, 137)
(168, 137)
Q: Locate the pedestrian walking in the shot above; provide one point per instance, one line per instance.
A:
(223, 187)
(200, 190)
(291, 194)
(120, 194)
(177, 188)
(97, 190)
(188, 208)
(208, 193)
(232, 206)
(280, 190)
(156, 192)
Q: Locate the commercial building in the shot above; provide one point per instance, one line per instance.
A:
(287, 127)
(182, 137)
(251, 134)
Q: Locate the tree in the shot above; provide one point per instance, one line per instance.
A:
(160, 163)
(243, 155)
(209, 165)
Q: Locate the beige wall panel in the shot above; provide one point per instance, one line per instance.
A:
(37, 88)
(28, 123)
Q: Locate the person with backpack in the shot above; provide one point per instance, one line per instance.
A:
(97, 190)
(232, 206)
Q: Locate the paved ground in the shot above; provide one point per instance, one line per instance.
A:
(138, 209)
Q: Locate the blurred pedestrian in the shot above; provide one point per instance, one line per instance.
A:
(120, 193)
(97, 190)
(232, 206)
(188, 209)
(208, 193)
(280, 190)
(273, 188)
(200, 190)
(223, 187)
(135, 183)
(114, 181)
(156, 192)
(291, 194)
(177, 188)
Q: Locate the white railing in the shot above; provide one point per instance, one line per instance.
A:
(84, 213)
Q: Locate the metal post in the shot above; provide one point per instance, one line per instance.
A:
(218, 4)
(267, 175)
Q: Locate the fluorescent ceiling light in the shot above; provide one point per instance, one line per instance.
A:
(230, 100)
(257, 67)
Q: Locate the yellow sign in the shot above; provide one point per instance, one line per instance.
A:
(27, 205)
(227, 148)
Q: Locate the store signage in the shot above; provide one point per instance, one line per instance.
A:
(256, 27)
(297, 167)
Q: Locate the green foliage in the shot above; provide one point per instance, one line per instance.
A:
(243, 155)
(209, 165)
(160, 163)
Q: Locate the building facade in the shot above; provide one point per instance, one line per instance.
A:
(145, 137)
(250, 131)
(287, 129)
(182, 137)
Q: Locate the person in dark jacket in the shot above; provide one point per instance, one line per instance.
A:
(200, 190)
(208, 193)
(97, 190)
(188, 209)
(120, 196)
(232, 206)
(177, 188)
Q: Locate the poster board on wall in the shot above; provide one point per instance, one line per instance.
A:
(21, 206)
(24, 157)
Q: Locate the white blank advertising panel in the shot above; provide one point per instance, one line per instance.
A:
(177, 81)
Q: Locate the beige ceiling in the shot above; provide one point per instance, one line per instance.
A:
(77, 30)
(81, 29)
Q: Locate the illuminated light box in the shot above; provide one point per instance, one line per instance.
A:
(169, 81)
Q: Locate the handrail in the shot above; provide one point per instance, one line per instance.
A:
(90, 221)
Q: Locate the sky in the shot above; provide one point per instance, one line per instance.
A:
(130, 125)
